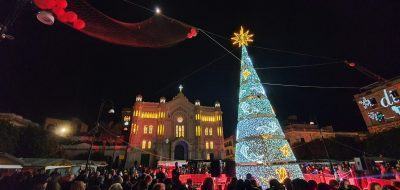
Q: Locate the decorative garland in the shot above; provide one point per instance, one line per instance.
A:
(58, 8)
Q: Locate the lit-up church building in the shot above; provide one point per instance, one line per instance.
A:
(173, 130)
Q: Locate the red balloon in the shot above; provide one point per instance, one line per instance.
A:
(192, 33)
(58, 11)
(45, 4)
(79, 24)
(71, 16)
(62, 4)
(62, 18)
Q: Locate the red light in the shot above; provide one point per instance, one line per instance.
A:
(352, 64)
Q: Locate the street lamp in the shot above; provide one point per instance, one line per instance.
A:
(95, 129)
(162, 149)
(326, 150)
(63, 130)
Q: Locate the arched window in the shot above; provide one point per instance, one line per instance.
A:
(144, 144)
(134, 128)
(207, 145)
(180, 131)
(219, 131)
(160, 130)
(145, 129)
(151, 129)
(210, 131)
(206, 131)
(198, 131)
(149, 144)
(211, 145)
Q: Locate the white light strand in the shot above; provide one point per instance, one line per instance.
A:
(311, 86)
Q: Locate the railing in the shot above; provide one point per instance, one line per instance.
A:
(198, 179)
(361, 182)
(221, 181)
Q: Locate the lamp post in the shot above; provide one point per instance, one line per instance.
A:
(96, 128)
(326, 151)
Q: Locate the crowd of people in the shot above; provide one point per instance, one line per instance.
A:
(383, 170)
(148, 179)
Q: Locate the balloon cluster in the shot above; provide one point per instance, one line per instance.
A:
(58, 8)
(192, 33)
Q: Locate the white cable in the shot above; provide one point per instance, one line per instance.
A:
(309, 86)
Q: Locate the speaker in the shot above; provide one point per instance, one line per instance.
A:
(360, 163)
(215, 168)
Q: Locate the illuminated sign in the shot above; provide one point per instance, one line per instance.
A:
(377, 116)
(388, 99)
(366, 103)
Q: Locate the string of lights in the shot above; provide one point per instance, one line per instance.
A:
(349, 147)
(206, 32)
(299, 66)
(219, 44)
(294, 53)
(129, 145)
(276, 50)
(192, 73)
(310, 86)
(261, 147)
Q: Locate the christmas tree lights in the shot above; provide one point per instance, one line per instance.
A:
(261, 148)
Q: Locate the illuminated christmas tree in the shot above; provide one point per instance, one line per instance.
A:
(261, 147)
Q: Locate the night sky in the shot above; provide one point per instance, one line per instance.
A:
(56, 71)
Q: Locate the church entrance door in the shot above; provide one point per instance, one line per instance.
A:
(181, 151)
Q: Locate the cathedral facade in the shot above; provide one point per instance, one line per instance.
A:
(174, 130)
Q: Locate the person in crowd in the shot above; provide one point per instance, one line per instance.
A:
(208, 184)
(312, 185)
(168, 184)
(39, 182)
(78, 185)
(324, 186)
(176, 182)
(54, 182)
(334, 184)
(389, 187)
(118, 179)
(189, 184)
(344, 184)
(176, 172)
(233, 184)
(241, 185)
(127, 184)
(275, 185)
(247, 184)
(159, 186)
(160, 175)
(374, 186)
(153, 182)
(299, 184)
(144, 182)
(67, 181)
(288, 184)
(396, 184)
(255, 186)
(116, 186)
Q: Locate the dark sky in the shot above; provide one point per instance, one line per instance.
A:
(58, 72)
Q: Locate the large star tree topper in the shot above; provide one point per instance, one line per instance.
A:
(242, 38)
